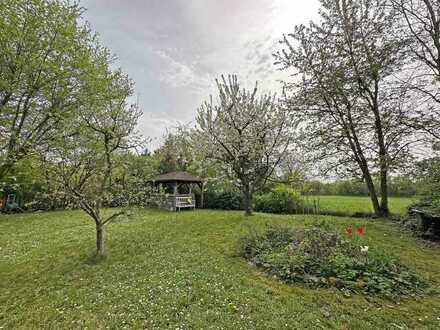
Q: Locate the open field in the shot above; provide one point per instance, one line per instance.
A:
(353, 204)
(180, 271)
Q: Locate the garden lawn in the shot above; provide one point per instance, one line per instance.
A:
(353, 204)
(180, 271)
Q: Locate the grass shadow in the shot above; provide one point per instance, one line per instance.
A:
(95, 259)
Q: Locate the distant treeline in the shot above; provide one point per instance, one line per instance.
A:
(399, 186)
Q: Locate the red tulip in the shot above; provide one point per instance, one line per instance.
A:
(349, 230)
(360, 230)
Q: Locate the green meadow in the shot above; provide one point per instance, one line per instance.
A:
(355, 204)
(181, 271)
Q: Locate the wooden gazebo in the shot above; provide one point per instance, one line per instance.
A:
(178, 187)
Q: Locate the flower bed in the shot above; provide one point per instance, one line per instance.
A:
(319, 257)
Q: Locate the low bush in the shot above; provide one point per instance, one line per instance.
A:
(50, 202)
(320, 257)
(423, 219)
(224, 200)
(282, 199)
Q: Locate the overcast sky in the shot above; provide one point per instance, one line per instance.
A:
(174, 49)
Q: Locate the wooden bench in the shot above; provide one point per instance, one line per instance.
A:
(182, 202)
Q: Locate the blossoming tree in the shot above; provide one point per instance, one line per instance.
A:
(246, 134)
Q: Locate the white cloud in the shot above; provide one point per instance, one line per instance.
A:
(179, 75)
(175, 49)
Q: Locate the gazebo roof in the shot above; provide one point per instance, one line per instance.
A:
(177, 177)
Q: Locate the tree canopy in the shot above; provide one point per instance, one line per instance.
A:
(248, 134)
(345, 92)
(47, 61)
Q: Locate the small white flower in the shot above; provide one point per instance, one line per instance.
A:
(364, 248)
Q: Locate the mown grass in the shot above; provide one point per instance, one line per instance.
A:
(357, 204)
(180, 271)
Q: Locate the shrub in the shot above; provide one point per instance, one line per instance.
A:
(282, 199)
(319, 257)
(224, 200)
(423, 219)
(45, 201)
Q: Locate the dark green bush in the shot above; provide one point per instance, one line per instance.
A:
(319, 257)
(282, 199)
(423, 219)
(224, 200)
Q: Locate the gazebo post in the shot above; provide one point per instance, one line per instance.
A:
(201, 195)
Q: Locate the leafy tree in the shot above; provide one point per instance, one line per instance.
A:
(176, 153)
(246, 134)
(85, 154)
(344, 92)
(403, 185)
(26, 181)
(293, 170)
(421, 25)
(427, 174)
(422, 20)
(128, 165)
(44, 57)
(131, 179)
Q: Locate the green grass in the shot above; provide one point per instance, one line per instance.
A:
(180, 271)
(353, 204)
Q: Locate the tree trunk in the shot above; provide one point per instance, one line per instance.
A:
(247, 200)
(372, 191)
(99, 240)
(383, 155)
(384, 210)
(202, 186)
(363, 164)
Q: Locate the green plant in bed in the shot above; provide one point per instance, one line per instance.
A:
(320, 257)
